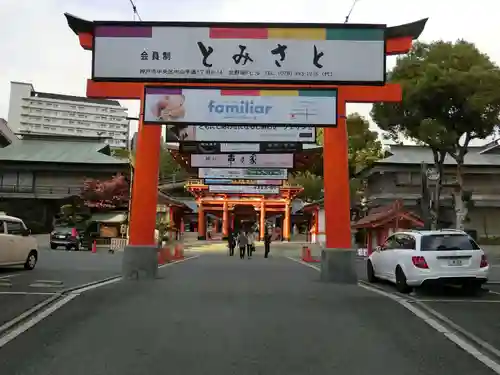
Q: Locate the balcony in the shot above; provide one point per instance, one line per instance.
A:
(39, 192)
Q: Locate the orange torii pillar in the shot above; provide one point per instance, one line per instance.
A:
(225, 221)
(336, 176)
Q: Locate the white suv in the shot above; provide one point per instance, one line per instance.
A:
(414, 258)
(17, 246)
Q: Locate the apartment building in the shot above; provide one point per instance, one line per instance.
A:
(39, 113)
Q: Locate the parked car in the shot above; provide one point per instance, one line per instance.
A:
(17, 246)
(415, 258)
(62, 236)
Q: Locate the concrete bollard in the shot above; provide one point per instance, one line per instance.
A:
(338, 266)
(140, 262)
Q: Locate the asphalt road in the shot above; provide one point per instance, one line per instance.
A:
(56, 271)
(477, 314)
(221, 315)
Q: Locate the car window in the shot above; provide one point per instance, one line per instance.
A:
(390, 243)
(62, 230)
(447, 242)
(14, 227)
(406, 242)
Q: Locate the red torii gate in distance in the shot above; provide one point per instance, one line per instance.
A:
(336, 178)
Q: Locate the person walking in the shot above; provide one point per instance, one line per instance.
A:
(267, 243)
(251, 243)
(242, 242)
(231, 243)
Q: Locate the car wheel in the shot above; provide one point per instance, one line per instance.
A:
(370, 273)
(31, 260)
(53, 247)
(401, 284)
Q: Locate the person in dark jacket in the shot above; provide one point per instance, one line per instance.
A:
(243, 242)
(267, 243)
(231, 243)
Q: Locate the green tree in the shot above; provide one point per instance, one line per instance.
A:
(312, 184)
(451, 95)
(122, 153)
(169, 168)
(364, 148)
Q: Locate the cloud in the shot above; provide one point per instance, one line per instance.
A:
(38, 46)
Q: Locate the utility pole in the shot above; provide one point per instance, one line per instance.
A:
(425, 198)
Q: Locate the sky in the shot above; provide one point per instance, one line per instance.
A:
(38, 46)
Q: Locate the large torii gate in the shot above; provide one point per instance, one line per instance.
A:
(398, 40)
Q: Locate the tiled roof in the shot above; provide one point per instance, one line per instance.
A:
(417, 154)
(64, 152)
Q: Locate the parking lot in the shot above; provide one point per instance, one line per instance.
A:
(475, 315)
(56, 271)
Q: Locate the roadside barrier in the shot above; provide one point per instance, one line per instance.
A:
(306, 255)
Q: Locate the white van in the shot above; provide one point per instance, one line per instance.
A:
(17, 246)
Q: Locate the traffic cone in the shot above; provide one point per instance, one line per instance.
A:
(306, 255)
(94, 247)
(161, 259)
(178, 252)
(167, 256)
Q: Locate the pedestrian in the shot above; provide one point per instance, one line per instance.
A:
(242, 242)
(267, 243)
(251, 243)
(231, 243)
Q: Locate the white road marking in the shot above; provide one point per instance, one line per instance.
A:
(44, 285)
(54, 282)
(9, 276)
(39, 316)
(35, 319)
(304, 263)
(434, 323)
(29, 293)
(458, 300)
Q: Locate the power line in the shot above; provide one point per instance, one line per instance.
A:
(350, 11)
(134, 9)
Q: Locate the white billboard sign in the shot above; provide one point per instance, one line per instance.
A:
(216, 181)
(244, 173)
(244, 189)
(238, 133)
(222, 52)
(242, 160)
(171, 105)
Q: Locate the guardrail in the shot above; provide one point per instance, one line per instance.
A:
(59, 190)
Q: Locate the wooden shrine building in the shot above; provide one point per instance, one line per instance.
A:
(234, 208)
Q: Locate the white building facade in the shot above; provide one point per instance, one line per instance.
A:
(38, 113)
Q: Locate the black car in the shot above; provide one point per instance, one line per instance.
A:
(62, 237)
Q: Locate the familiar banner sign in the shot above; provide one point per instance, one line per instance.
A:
(222, 52)
(243, 189)
(242, 160)
(217, 148)
(241, 182)
(243, 173)
(237, 133)
(203, 106)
